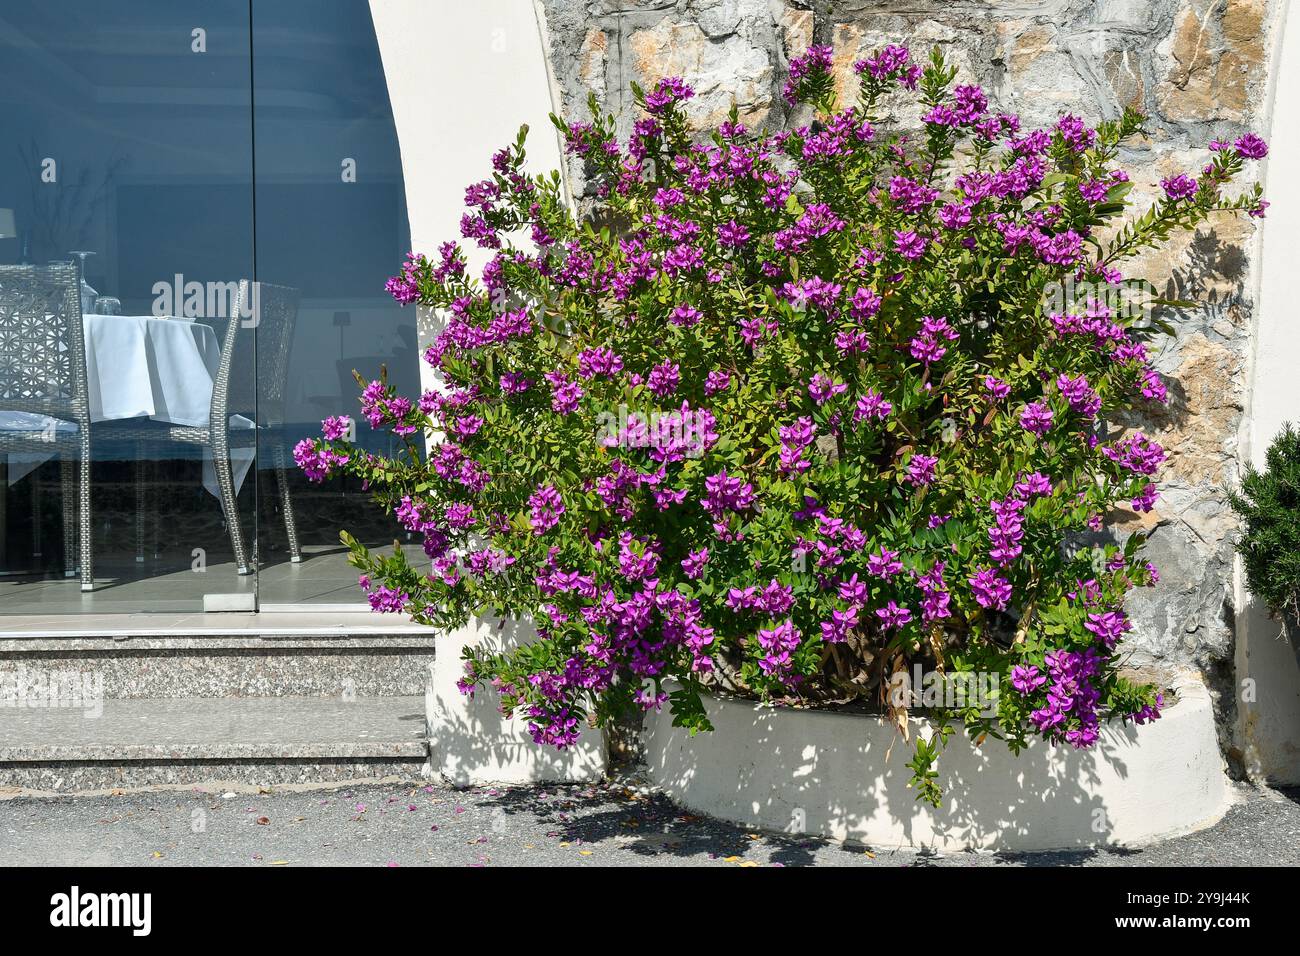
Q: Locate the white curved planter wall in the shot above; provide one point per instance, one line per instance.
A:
(470, 743)
(825, 773)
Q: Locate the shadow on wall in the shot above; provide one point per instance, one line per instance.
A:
(471, 743)
(792, 786)
(833, 774)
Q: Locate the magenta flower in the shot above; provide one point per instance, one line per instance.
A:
(990, 589)
(997, 388)
(694, 562)
(664, 379)
(871, 405)
(547, 506)
(822, 388)
(668, 91)
(1036, 417)
(920, 469)
(884, 564)
(336, 427)
(1179, 187)
(732, 234)
(1251, 146)
(908, 244)
(892, 617)
(1027, 679)
(716, 382)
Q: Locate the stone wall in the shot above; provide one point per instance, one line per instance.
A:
(1197, 68)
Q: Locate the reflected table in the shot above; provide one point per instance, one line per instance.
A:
(163, 369)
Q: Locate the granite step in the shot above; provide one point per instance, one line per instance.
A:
(88, 743)
(130, 667)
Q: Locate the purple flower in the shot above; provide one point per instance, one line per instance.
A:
(724, 493)
(927, 345)
(685, 316)
(997, 388)
(871, 405)
(920, 469)
(1079, 394)
(909, 244)
(599, 361)
(1109, 626)
(1033, 485)
(1008, 530)
(1251, 146)
(1027, 679)
(990, 589)
(893, 617)
(694, 562)
(732, 234)
(1094, 190)
(565, 394)
(512, 383)
(669, 90)
(884, 564)
(336, 427)
(864, 303)
(778, 644)
(794, 439)
(1137, 453)
(1036, 417)
(1146, 498)
(822, 388)
(547, 506)
(817, 59)
(716, 382)
(386, 600)
(837, 629)
(664, 379)
(1179, 187)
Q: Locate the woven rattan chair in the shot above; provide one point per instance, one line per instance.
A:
(43, 402)
(250, 383)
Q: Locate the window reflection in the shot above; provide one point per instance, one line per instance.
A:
(142, 157)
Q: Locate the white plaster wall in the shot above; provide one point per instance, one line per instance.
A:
(463, 75)
(1268, 727)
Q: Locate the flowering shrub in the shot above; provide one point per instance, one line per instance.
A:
(792, 418)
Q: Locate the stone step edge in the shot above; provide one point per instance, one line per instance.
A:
(17, 646)
(414, 749)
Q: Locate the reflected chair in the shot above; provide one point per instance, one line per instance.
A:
(44, 407)
(247, 409)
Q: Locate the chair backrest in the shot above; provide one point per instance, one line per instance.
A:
(254, 370)
(42, 347)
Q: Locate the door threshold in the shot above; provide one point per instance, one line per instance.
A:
(301, 621)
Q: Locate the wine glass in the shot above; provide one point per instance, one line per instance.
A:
(87, 293)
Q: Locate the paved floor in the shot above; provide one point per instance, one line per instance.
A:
(219, 728)
(172, 586)
(416, 825)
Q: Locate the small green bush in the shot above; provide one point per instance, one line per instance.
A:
(1269, 506)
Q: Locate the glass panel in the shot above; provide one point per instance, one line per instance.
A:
(128, 153)
(331, 227)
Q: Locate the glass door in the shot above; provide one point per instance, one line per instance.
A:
(331, 227)
(128, 417)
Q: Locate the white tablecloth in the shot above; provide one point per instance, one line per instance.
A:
(139, 366)
(143, 367)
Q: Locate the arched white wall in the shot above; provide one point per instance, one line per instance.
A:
(1269, 726)
(463, 75)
